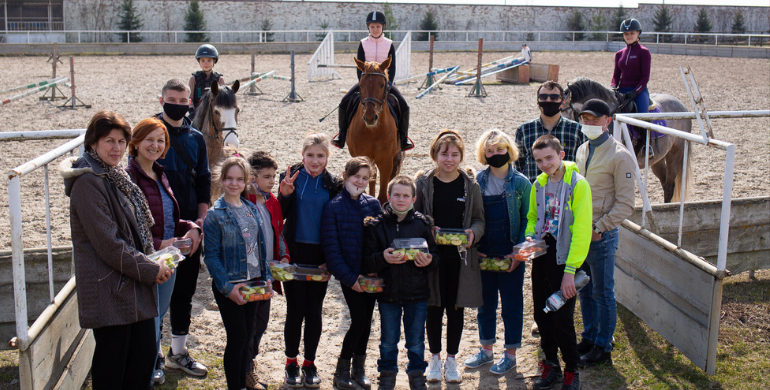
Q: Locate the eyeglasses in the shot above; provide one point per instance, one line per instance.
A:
(547, 96)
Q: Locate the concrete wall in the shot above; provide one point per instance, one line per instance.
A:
(292, 15)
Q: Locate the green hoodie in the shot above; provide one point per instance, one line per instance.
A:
(571, 244)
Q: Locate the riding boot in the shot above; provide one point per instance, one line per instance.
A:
(339, 139)
(342, 375)
(358, 372)
(403, 129)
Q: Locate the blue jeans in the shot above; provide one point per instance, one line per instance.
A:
(414, 315)
(511, 288)
(642, 99)
(597, 298)
(164, 300)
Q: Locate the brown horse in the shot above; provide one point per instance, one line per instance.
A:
(669, 150)
(373, 132)
(217, 118)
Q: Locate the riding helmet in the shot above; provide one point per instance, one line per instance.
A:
(630, 25)
(376, 17)
(208, 51)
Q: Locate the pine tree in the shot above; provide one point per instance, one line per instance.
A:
(576, 23)
(324, 26)
(738, 26)
(598, 23)
(390, 20)
(617, 18)
(267, 25)
(130, 20)
(193, 21)
(428, 23)
(702, 25)
(662, 21)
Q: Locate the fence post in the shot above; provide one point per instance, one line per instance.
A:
(221, 37)
(657, 38)
(573, 37)
(685, 39)
(128, 37)
(78, 36)
(716, 39)
(175, 41)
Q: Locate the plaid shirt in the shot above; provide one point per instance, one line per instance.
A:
(567, 131)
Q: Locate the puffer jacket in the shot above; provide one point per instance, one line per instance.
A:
(115, 281)
(151, 191)
(404, 283)
(473, 218)
(289, 203)
(343, 235)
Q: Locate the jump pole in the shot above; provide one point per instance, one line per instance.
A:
(432, 73)
(429, 81)
(38, 89)
(53, 58)
(30, 86)
(500, 68)
(253, 87)
(434, 85)
(478, 88)
(73, 102)
(256, 79)
(293, 96)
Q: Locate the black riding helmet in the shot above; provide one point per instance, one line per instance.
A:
(630, 25)
(208, 51)
(376, 17)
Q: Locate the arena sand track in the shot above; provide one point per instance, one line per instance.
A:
(131, 84)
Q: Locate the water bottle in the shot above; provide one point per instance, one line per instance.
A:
(556, 300)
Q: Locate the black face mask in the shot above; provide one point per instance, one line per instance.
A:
(549, 108)
(175, 112)
(499, 160)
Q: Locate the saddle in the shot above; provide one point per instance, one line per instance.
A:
(355, 100)
(630, 108)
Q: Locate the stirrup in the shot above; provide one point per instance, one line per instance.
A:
(336, 142)
(405, 147)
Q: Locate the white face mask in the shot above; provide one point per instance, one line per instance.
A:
(592, 132)
(354, 190)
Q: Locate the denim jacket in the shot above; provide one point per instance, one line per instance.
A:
(224, 247)
(517, 189)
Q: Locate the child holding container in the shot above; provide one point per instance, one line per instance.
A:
(506, 203)
(305, 189)
(406, 288)
(234, 252)
(452, 197)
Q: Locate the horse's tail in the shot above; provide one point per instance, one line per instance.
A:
(689, 182)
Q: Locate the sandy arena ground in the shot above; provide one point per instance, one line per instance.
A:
(131, 85)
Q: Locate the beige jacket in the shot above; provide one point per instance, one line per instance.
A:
(611, 176)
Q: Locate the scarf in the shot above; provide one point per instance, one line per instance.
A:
(118, 177)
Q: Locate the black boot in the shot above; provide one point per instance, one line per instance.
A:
(358, 372)
(387, 380)
(417, 380)
(342, 375)
(339, 139)
(403, 131)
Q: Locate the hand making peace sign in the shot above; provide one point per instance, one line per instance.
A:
(287, 184)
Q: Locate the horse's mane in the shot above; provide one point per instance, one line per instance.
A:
(373, 67)
(583, 88)
(225, 98)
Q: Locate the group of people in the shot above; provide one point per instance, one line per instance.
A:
(568, 184)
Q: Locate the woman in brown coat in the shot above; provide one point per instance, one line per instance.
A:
(110, 223)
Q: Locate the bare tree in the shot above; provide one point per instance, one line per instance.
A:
(98, 15)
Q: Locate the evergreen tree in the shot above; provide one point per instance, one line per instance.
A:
(267, 25)
(193, 21)
(738, 26)
(598, 23)
(324, 26)
(428, 23)
(130, 20)
(662, 22)
(576, 22)
(619, 16)
(390, 20)
(703, 24)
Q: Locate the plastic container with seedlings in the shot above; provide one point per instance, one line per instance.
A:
(255, 290)
(282, 272)
(170, 255)
(184, 245)
(409, 247)
(370, 284)
(311, 273)
(529, 250)
(456, 237)
(495, 263)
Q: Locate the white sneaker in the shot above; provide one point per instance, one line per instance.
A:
(450, 371)
(434, 369)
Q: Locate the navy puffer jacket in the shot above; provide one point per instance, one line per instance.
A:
(342, 236)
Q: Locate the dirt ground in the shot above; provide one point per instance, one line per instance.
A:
(131, 85)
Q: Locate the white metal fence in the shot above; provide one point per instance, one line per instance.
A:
(324, 55)
(404, 58)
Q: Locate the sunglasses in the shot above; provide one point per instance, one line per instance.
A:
(551, 96)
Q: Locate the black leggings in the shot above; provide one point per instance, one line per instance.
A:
(261, 318)
(124, 356)
(180, 307)
(304, 301)
(239, 327)
(449, 278)
(361, 306)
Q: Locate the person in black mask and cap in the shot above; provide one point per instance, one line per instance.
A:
(550, 96)
(187, 169)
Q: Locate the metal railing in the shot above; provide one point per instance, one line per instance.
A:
(259, 36)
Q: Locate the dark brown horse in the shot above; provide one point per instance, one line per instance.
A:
(217, 118)
(669, 150)
(372, 131)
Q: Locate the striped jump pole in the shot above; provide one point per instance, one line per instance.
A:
(430, 88)
(257, 79)
(511, 65)
(432, 73)
(38, 89)
(30, 86)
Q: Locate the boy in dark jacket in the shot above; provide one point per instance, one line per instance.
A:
(406, 282)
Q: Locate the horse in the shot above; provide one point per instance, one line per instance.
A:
(217, 118)
(372, 131)
(669, 150)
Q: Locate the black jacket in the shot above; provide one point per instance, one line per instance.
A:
(404, 283)
(289, 204)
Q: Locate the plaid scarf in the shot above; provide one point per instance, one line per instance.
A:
(120, 179)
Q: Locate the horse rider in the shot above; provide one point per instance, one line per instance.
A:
(376, 48)
(207, 56)
(632, 69)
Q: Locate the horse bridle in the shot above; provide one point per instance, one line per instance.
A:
(385, 93)
(218, 132)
